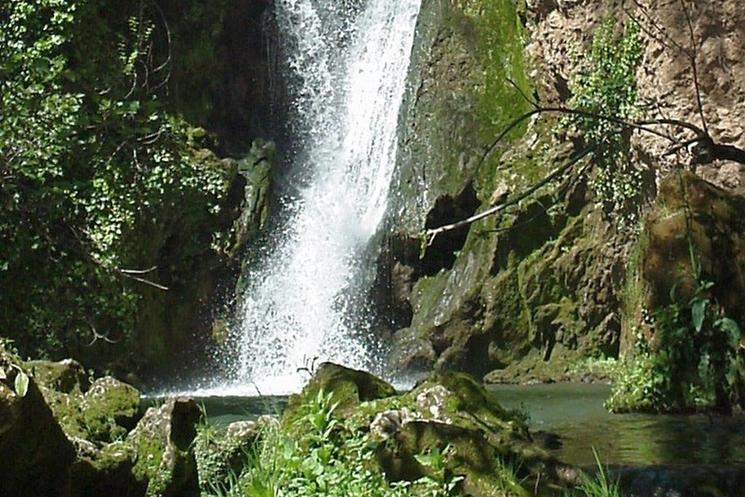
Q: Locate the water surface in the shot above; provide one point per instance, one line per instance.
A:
(576, 414)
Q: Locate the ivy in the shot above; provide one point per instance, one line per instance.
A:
(606, 86)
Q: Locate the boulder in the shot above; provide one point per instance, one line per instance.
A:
(220, 454)
(65, 376)
(104, 414)
(162, 444)
(110, 409)
(36, 453)
(348, 387)
(449, 417)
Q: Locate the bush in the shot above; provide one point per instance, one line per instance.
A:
(91, 168)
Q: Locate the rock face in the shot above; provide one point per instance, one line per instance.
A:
(530, 294)
(690, 213)
(525, 294)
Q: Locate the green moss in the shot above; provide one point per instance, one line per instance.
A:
(348, 387)
(148, 458)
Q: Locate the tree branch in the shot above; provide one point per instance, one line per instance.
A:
(431, 234)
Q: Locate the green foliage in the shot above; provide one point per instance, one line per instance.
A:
(21, 384)
(326, 456)
(695, 364)
(607, 87)
(90, 165)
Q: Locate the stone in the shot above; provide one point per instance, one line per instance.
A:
(36, 453)
(104, 414)
(162, 442)
(242, 430)
(66, 376)
(348, 387)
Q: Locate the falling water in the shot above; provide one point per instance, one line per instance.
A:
(345, 66)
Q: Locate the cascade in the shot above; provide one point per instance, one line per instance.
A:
(344, 64)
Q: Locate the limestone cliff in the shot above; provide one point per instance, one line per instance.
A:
(534, 292)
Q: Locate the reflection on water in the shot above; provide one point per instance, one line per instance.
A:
(575, 412)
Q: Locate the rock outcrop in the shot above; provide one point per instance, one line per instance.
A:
(62, 437)
(450, 414)
(531, 294)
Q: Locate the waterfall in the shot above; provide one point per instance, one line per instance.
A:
(345, 65)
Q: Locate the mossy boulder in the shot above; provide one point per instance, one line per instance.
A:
(103, 414)
(110, 409)
(349, 388)
(66, 376)
(221, 453)
(162, 444)
(36, 453)
(450, 414)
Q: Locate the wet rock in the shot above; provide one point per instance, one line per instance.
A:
(410, 352)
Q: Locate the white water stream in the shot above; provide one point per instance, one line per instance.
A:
(346, 63)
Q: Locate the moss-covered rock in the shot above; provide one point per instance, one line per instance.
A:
(104, 414)
(690, 254)
(162, 443)
(36, 453)
(221, 453)
(349, 388)
(449, 414)
(66, 376)
(692, 223)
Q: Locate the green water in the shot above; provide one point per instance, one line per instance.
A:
(575, 413)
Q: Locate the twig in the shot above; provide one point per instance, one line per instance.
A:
(98, 336)
(694, 65)
(138, 271)
(144, 281)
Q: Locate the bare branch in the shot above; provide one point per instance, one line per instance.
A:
(98, 336)
(431, 234)
(139, 271)
(132, 276)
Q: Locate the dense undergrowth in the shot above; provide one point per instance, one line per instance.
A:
(322, 453)
(94, 170)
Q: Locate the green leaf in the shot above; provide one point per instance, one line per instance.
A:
(3, 374)
(732, 329)
(21, 384)
(698, 313)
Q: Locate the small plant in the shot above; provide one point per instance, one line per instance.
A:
(607, 87)
(599, 485)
